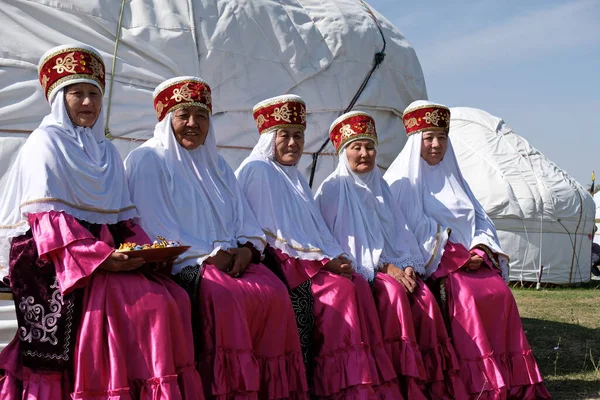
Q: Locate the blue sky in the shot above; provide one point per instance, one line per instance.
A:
(534, 63)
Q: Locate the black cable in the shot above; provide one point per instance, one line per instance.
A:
(377, 60)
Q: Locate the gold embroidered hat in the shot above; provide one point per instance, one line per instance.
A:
(70, 64)
(179, 92)
(286, 111)
(351, 126)
(423, 115)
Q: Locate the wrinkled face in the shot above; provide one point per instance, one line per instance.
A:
(289, 144)
(83, 102)
(361, 155)
(433, 147)
(190, 126)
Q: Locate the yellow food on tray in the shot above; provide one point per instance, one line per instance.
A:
(158, 244)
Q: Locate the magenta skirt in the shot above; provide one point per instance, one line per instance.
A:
(133, 342)
(250, 346)
(496, 361)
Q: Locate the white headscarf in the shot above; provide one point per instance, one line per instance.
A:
(190, 196)
(67, 168)
(283, 204)
(358, 210)
(436, 199)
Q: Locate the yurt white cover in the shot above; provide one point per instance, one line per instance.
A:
(247, 50)
(543, 216)
(597, 201)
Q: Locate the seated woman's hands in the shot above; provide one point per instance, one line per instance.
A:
(233, 261)
(119, 262)
(406, 277)
(474, 263)
(340, 266)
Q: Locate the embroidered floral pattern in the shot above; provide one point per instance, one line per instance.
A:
(260, 121)
(347, 131)
(68, 64)
(97, 69)
(370, 128)
(206, 94)
(160, 106)
(303, 115)
(45, 81)
(282, 113)
(411, 123)
(42, 326)
(183, 93)
(432, 117)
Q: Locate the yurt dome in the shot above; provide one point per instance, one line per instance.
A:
(322, 50)
(543, 216)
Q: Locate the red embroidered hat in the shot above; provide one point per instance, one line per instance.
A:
(353, 125)
(179, 92)
(70, 64)
(422, 116)
(287, 111)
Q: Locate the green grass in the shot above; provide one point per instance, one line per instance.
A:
(563, 328)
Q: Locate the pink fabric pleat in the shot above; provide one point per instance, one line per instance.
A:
(395, 316)
(383, 374)
(442, 369)
(250, 343)
(134, 339)
(496, 361)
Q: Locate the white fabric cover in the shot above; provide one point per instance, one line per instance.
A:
(190, 196)
(247, 51)
(65, 168)
(597, 201)
(438, 203)
(542, 215)
(358, 211)
(285, 210)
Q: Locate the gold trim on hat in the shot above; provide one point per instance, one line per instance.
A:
(73, 77)
(190, 104)
(430, 129)
(67, 50)
(282, 126)
(425, 106)
(357, 137)
(269, 103)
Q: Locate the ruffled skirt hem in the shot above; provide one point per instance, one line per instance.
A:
(498, 376)
(340, 373)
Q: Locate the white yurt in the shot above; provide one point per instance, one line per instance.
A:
(322, 50)
(597, 201)
(543, 216)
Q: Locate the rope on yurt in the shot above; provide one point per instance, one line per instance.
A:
(112, 70)
(377, 60)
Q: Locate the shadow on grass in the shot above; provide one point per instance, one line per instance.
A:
(568, 356)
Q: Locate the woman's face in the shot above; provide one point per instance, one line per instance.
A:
(361, 155)
(83, 102)
(190, 126)
(289, 144)
(433, 147)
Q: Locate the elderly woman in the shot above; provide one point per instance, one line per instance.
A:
(464, 259)
(91, 323)
(247, 343)
(349, 359)
(356, 204)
